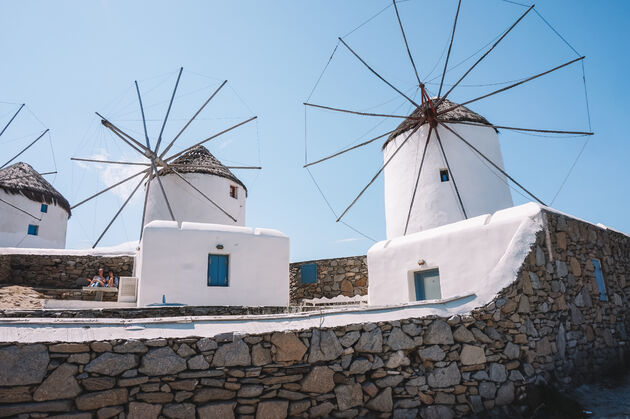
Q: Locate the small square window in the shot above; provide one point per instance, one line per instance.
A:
(444, 175)
(218, 270)
(44, 207)
(309, 273)
(233, 191)
(427, 284)
(33, 229)
(599, 277)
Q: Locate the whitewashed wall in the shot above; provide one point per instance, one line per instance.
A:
(189, 205)
(471, 256)
(173, 262)
(436, 202)
(14, 224)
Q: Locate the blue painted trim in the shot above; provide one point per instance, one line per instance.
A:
(309, 273)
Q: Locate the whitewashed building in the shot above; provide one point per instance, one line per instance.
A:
(33, 214)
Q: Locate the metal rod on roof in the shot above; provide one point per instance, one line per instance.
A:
(415, 188)
(25, 148)
(163, 153)
(449, 48)
(413, 64)
(144, 121)
(119, 211)
(139, 147)
(144, 209)
(111, 162)
(487, 52)
(202, 194)
(11, 120)
(546, 131)
(168, 111)
(379, 172)
(229, 167)
(349, 149)
(450, 171)
(378, 75)
(361, 113)
(245, 167)
(157, 176)
(492, 163)
(20, 209)
(110, 187)
(174, 156)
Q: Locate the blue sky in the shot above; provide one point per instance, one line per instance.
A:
(67, 59)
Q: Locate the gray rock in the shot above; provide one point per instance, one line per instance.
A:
(349, 396)
(493, 334)
(112, 364)
(321, 410)
(298, 407)
(371, 342)
(48, 407)
(445, 377)
(382, 402)
(399, 340)
(185, 350)
(291, 395)
(480, 376)
(22, 365)
(405, 413)
(211, 394)
(378, 363)
(179, 411)
(476, 403)
(534, 280)
(439, 333)
(515, 375)
(523, 304)
(360, 366)
(272, 409)
(576, 315)
(198, 363)
(505, 395)
(232, 354)
(530, 328)
(223, 410)
(91, 401)
(206, 344)
(472, 355)
(61, 384)
(512, 351)
(250, 390)
(350, 338)
(463, 335)
(131, 346)
(480, 336)
(561, 268)
(497, 372)
(432, 353)
(324, 346)
(540, 256)
(162, 361)
(389, 381)
(487, 390)
(583, 299)
(397, 359)
(288, 347)
(561, 341)
(412, 329)
(319, 380)
(260, 355)
(437, 412)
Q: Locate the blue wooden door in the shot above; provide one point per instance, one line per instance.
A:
(218, 270)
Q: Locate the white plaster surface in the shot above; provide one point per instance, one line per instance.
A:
(189, 205)
(483, 190)
(14, 223)
(123, 249)
(173, 262)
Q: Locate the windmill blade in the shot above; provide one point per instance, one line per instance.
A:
(511, 85)
(229, 167)
(168, 111)
(378, 75)
(174, 156)
(448, 167)
(450, 45)
(20, 209)
(191, 119)
(402, 30)
(139, 147)
(110, 161)
(144, 121)
(487, 52)
(25, 148)
(379, 172)
(110, 187)
(503, 172)
(120, 210)
(144, 209)
(157, 176)
(545, 131)
(202, 194)
(11, 120)
(245, 167)
(415, 188)
(350, 149)
(360, 113)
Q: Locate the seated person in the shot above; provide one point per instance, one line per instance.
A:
(112, 280)
(98, 280)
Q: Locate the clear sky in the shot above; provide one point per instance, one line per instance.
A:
(67, 59)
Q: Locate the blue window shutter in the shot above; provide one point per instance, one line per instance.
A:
(418, 278)
(218, 270)
(309, 273)
(599, 277)
(33, 229)
(44, 208)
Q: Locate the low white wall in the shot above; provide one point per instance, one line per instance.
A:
(14, 223)
(473, 256)
(173, 262)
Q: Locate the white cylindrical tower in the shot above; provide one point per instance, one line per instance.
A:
(481, 187)
(199, 167)
(33, 214)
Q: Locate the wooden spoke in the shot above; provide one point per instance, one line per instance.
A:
(491, 162)
(110, 187)
(111, 162)
(203, 194)
(119, 211)
(174, 156)
(402, 30)
(545, 131)
(229, 167)
(168, 111)
(450, 172)
(350, 149)
(487, 52)
(459, 4)
(11, 120)
(159, 181)
(378, 75)
(24, 149)
(20, 209)
(132, 142)
(191, 119)
(144, 121)
(381, 115)
(415, 188)
(144, 209)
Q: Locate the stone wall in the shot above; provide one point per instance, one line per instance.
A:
(340, 276)
(550, 324)
(72, 294)
(58, 271)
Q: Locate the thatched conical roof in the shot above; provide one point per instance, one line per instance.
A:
(460, 114)
(21, 178)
